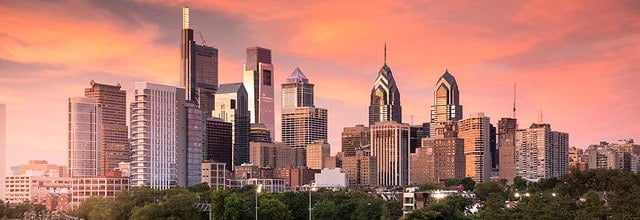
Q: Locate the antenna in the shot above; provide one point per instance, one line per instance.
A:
(514, 100)
(385, 52)
(412, 119)
(540, 118)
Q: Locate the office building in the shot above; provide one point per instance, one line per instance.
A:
(540, 152)
(275, 155)
(439, 158)
(190, 142)
(258, 81)
(83, 188)
(154, 134)
(219, 147)
(232, 106)
(505, 141)
(199, 67)
(609, 156)
(355, 138)
(361, 168)
(259, 133)
(390, 145)
(493, 149)
(304, 125)
(267, 185)
(214, 174)
(475, 131)
(317, 154)
(446, 103)
(417, 133)
(385, 97)
(84, 137)
(33, 189)
(114, 134)
(577, 159)
(297, 91)
(295, 177)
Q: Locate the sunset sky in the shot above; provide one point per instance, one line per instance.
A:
(576, 61)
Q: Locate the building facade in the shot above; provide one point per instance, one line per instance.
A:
(114, 134)
(475, 131)
(214, 174)
(361, 168)
(385, 98)
(304, 125)
(154, 134)
(446, 103)
(541, 153)
(297, 91)
(317, 154)
(232, 106)
(258, 81)
(84, 137)
(506, 137)
(335, 179)
(259, 133)
(355, 138)
(219, 147)
(83, 188)
(190, 141)
(390, 146)
(439, 158)
(275, 155)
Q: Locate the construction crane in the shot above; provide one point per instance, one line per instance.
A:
(202, 38)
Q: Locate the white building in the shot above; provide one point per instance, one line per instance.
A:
(335, 178)
(267, 185)
(390, 145)
(541, 153)
(154, 135)
(84, 137)
(25, 188)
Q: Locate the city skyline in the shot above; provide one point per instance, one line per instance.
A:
(528, 43)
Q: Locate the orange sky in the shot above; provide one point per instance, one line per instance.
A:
(577, 61)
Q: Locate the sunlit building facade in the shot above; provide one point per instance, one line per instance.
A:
(541, 152)
(355, 138)
(446, 103)
(304, 125)
(390, 146)
(232, 106)
(258, 81)
(84, 137)
(317, 154)
(297, 91)
(506, 137)
(475, 131)
(385, 98)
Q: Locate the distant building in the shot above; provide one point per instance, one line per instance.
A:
(40, 168)
(385, 97)
(608, 156)
(266, 185)
(215, 174)
(85, 154)
(495, 158)
(541, 153)
(232, 106)
(361, 168)
(446, 103)
(33, 189)
(297, 91)
(506, 137)
(83, 188)
(475, 131)
(317, 153)
(258, 81)
(114, 134)
(441, 157)
(219, 142)
(295, 177)
(275, 155)
(390, 145)
(417, 133)
(191, 127)
(259, 133)
(354, 138)
(332, 178)
(577, 159)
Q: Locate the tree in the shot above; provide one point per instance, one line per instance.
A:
(236, 208)
(272, 208)
(483, 190)
(593, 208)
(430, 186)
(217, 203)
(468, 183)
(325, 209)
(181, 206)
(452, 182)
(94, 208)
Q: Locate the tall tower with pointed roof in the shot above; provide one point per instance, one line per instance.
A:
(385, 97)
(297, 91)
(446, 102)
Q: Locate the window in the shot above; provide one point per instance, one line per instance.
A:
(266, 77)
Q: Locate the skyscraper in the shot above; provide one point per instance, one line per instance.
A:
(355, 138)
(302, 122)
(154, 134)
(297, 91)
(232, 106)
(199, 67)
(258, 81)
(475, 131)
(441, 157)
(219, 147)
(390, 146)
(540, 152)
(190, 141)
(3, 146)
(114, 134)
(84, 137)
(446, 103)
(385, 97)
(506, 135)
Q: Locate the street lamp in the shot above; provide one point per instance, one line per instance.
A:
(312, 187)
(258, 190)
(517, 195)
(438, 195)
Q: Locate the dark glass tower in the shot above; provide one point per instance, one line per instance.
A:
(385, 97)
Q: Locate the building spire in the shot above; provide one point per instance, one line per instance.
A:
(514, 100)
(185, 17)
(385, 53)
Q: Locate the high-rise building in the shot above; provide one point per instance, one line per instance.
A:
(441, 157)
(355, 138)
(219, 147)
(232, 106)
(84, 137)
(493, 149)
(114, 134)
(540, 152)
(190, 142)
(304, 125)
(154, 134)
(275, 155)
(317, 154)
(506, 137)
(258, 81)
(361, 168)
(3, 146)
(259, 133)
(199, 68)
(390, 146)
(610, 156)
(385, 97)
(475, 131)
(446, 103)
(297, 91)
(416, 137)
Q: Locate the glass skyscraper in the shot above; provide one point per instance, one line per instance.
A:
(84, 137)
(258, 81)
(232, 106)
